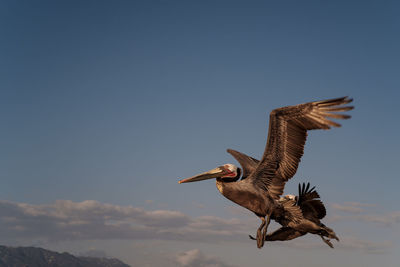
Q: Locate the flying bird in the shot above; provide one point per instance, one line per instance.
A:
(300, 215)
(260, 188)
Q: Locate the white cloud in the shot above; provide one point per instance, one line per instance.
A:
(91, 220)
(358, 204)
(359, 214)
(68, 220)
(367, 246)
(93, 252)
(195, 258)
(347, 208)
(345, 243)
(387, 219)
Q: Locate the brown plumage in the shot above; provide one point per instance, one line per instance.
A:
(303, 213)
(311, 206)
(300, 216)
(261, 186)
(287, 135)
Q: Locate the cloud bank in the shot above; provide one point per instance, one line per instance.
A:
(357, 211)
(88, 220)
(195, 258)
(66, 220)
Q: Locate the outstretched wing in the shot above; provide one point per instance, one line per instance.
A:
(288, 212)
(305, 193)
(287, 135)
(311, 206)
(284, 234)
(248, 163)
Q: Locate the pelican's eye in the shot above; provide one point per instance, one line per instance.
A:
(229, 173)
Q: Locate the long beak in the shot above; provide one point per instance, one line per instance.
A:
(214, 173)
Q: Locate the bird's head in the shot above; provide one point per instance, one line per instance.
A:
(227, 173)
(288, 197)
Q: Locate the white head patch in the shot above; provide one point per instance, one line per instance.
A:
(291, 197)
(230, 167)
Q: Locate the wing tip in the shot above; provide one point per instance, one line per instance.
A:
(335, 101)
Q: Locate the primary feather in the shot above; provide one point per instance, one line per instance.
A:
(287, 135)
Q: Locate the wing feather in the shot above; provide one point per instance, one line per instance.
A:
(248, 163)
(284, 234)
(287, 135)
(288, 212)
(309, 203)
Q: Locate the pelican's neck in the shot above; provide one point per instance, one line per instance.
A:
(227, 181)
(220, 185)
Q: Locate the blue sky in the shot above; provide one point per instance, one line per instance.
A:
(114, 102)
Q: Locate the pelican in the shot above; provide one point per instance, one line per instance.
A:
(300, 215)
(260, 188)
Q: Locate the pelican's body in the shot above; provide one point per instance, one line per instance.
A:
(244, 194)
(262, 182)
(301, 215)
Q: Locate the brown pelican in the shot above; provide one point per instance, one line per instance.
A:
(261, 187)
(300, 215)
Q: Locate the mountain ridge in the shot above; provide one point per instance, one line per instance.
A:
(40, 257)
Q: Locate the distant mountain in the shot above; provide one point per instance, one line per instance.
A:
(39, 257)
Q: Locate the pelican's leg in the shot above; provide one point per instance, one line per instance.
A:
(327, 241)
(264, 234)
(260, 241)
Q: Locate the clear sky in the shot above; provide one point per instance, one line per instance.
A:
(107, 104)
